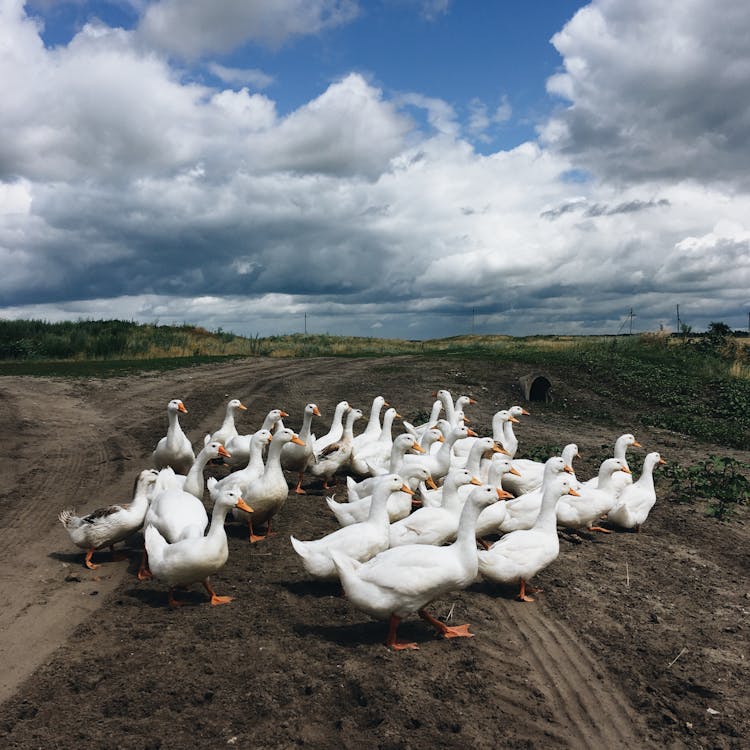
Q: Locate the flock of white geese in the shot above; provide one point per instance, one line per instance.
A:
(419, 505)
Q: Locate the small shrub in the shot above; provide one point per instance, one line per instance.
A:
(718, 479)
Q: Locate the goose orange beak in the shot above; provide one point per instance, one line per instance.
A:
(431, 483)
(418, 448)
(514, 470)
(242, 406)
(224, 452)
(242, 505)
(523, 411)
(316, 411)
(503, 495)
(182, 408)
(662, 461)
(636, 444)
(408, 490)
(568, 469)
(297, 441)
(283, 414)
(626, 470)
(571, 491)
(475, 481)
(471, 433)
(511, 418)
(499, 449)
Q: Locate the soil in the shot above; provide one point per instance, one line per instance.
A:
(637, 641)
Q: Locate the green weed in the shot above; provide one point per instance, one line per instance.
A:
(717, 479)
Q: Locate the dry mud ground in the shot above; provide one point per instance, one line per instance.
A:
(638, 641)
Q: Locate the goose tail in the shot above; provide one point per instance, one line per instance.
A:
(211, 483)
(300, 547)
(69, 519)
(155, 545)
(346, 567)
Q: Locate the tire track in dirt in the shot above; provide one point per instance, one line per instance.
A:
(580, 694)
(63, 457)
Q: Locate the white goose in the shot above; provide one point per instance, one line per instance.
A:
(228, 428)
(623, 479)
(591, 503)
(509, 440)
(492, 518)
(337, 456)
(105, 527)
(636, 500)
(194, 482)
(359, 541)
(431, 439)
(406, 579)
(522, 511)
(472, 463)
(438, 464)
(376, 452)
(239, 445)
(174, 449)
(435, 525)
(373, 428)
(532, 472)
(411, 475)
(336, 430)
(473, 459)
(419, 430)
(402, 445)
(192, 560)
(297, 458)
(399, 504)
(267, 494)
(520, 555)
(453, 410)
(175, 513)
(241, 478)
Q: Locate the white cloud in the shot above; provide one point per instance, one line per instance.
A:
(655, 90)
(481, 120)
(250, 76)
(193, 28)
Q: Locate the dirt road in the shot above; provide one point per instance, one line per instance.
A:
(637, 641)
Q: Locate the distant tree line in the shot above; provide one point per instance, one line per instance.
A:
(105, 339)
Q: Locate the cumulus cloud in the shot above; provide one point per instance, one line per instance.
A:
(481, 119)
(193, 28)
(126, 190)
(253, 77)
(655, 90)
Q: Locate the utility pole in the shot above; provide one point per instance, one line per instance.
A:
(632, 315)
(679, 325)
(305, 324)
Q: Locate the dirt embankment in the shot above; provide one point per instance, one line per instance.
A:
(639, 640)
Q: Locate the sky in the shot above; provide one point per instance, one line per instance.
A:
(395, 168)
